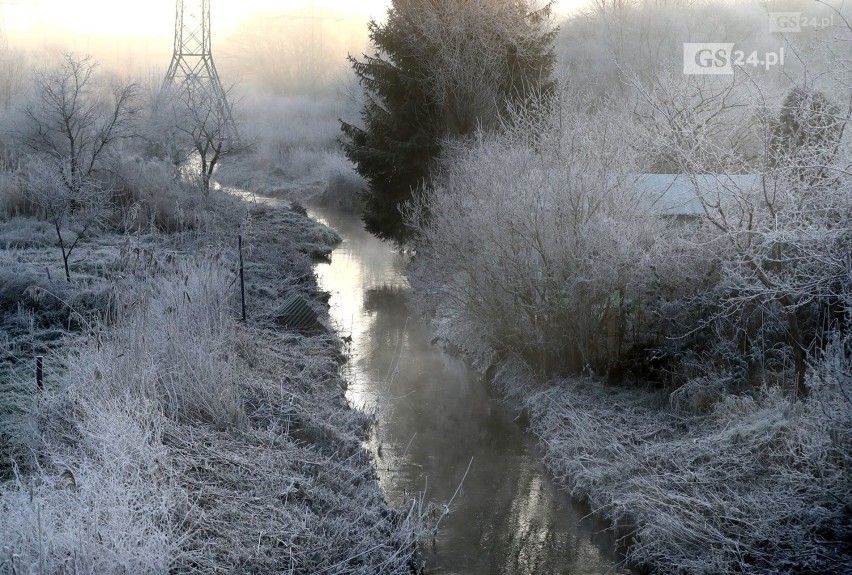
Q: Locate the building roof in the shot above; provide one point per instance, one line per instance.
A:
(678, 194)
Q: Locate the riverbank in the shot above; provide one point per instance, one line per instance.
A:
(703, 485)
(716, 431)
(170, 437)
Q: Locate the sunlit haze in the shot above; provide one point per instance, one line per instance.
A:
(155, 17)
(152, 17)
(136, 37)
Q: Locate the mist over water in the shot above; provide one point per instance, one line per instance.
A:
(436, 418)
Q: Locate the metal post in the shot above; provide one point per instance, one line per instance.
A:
(242, 278)
(40, 373)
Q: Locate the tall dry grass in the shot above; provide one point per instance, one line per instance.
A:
(761, 484)
(102, 492)
(176, 440)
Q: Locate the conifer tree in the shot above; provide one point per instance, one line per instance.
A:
(440, 70)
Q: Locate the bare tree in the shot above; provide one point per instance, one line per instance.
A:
(203, 124)
(75, 120)
(163, 134)
(782, 239)
(73, 212)
(12, 75)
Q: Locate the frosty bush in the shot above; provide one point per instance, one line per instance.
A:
(14, 201)
(153, 196)
(781, 237)
(532, 241)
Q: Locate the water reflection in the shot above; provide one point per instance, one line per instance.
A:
(435, 415)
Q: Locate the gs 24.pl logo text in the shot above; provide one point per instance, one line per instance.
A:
(720, 58)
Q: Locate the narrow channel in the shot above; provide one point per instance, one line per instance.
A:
(436, 418)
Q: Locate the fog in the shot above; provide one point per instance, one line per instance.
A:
(644, 250)
(254, 41)
(288, 51)
(302, 49)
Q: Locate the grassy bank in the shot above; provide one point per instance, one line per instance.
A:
(171, 437)
(702, 482)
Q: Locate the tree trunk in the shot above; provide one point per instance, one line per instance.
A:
(793, 331)
(67, 271)
(65, 253)
(799, 365)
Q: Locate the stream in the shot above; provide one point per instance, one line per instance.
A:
(439, 423)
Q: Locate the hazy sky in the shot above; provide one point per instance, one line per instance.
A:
(148, 17)
(156, 17)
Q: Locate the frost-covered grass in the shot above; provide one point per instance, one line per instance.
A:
(37, 305)
(172, 438)
(289, 230)
(149, 196)
(760, 484)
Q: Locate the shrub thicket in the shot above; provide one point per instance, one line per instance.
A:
(533, 242)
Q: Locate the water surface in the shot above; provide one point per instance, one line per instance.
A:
(437, 418)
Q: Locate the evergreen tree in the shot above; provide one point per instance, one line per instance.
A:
(806, 132)
(441, 69)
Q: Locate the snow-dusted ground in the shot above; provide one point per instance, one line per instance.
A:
(750, 484)
(170, 437)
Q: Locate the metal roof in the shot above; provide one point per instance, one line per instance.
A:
(678, 194)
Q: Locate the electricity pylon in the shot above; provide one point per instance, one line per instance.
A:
(192, 75)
